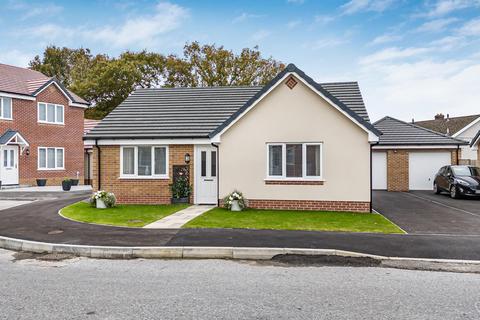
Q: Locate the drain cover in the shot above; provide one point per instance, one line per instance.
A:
(55, 232)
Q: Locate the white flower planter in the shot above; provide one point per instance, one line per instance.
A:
(235, 206)
(100, 204)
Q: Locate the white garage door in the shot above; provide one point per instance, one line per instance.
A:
(423, 166)
(379, 170)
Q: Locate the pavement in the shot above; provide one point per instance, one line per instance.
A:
(6, 204)
(179, 218)
(40, 221)
(220, 289)
(423, 212)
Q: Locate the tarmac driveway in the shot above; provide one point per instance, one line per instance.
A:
(423, 212)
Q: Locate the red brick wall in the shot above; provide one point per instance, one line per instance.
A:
(348, 206)
(397, 168)
(68, 136)
(138, 191)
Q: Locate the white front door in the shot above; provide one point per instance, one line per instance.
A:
(206, 175)
(423, 166)
(9, 163)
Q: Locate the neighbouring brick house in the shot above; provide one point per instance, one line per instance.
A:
(463, 128)
(407, 157)
(291, 144)
(41, 128)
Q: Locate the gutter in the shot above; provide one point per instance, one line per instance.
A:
(99, 165)
(218, 173)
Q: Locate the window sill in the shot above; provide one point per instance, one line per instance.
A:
(297, 182)
(144, 178)
(51, 123)
(6, 119)
(51, 169)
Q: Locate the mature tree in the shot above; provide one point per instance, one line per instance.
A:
(106, 81)
(67, 65)
(209, 65)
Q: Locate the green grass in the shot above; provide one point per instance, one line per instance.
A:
(121, 215)
(294, 220)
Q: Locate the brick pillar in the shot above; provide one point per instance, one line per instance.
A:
(397, 170)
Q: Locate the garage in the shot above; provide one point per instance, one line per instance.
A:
(407, 157)
(423, 166)
(379, 170)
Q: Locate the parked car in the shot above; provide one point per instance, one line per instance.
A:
(458, 181)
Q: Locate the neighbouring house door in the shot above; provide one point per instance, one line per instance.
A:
(9, 165)
(206, 175)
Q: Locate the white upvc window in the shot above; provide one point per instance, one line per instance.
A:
(51, 158)
(51, 113)
(6, 108)
(144, 162)
(295, 161)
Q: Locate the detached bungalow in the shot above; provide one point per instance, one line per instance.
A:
(292, 144)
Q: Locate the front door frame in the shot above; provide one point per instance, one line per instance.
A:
(16, 157)
(196, 164)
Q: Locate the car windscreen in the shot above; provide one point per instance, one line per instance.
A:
(466, 171)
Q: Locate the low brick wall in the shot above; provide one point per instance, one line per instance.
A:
(349, 206)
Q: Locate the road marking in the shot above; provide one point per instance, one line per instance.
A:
(442, 204)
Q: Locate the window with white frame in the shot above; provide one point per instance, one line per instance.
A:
(50, 113)
(143, 162)
(5, 108)
(51, 158)
(294, 161)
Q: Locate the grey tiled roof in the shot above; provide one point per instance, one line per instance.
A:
(199, 112)
(397, 132)
(7, 135)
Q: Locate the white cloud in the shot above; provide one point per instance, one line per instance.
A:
(293, 24)
(30, 10)
(260, 35)
(142, 29)
(421, 89)
(325, 43)
(355, 6)
(393, 53)
(50, 32)
(246, 16)
(471, 28)
(15, 57)
(385, 38)
(324, 19)
(436, 25)
(444, 7)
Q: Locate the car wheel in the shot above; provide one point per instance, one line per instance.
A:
(453, 192)
(436, 189)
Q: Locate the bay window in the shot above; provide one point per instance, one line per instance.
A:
(143, 162)
(6, 108)
(294, 161)
(51, 158)
(50, 113)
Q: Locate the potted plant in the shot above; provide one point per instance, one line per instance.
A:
(181, 190)
(66, 184)
(234, 201)
(102, 199)
(75, 182)
(41, 182)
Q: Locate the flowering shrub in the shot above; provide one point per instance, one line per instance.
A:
(107, 197)
(235, 195)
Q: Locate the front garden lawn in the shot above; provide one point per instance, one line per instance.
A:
(121, 215)
(294, 220)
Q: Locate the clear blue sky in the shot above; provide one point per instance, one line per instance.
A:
(411, 58)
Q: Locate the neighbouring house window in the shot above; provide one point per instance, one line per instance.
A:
(51, 158)
(143, 162)
(5, 108)
(294, 161)
(50, 113)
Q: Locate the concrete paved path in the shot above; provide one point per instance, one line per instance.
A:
(46, 189)
(178, 219)
(6, 204)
